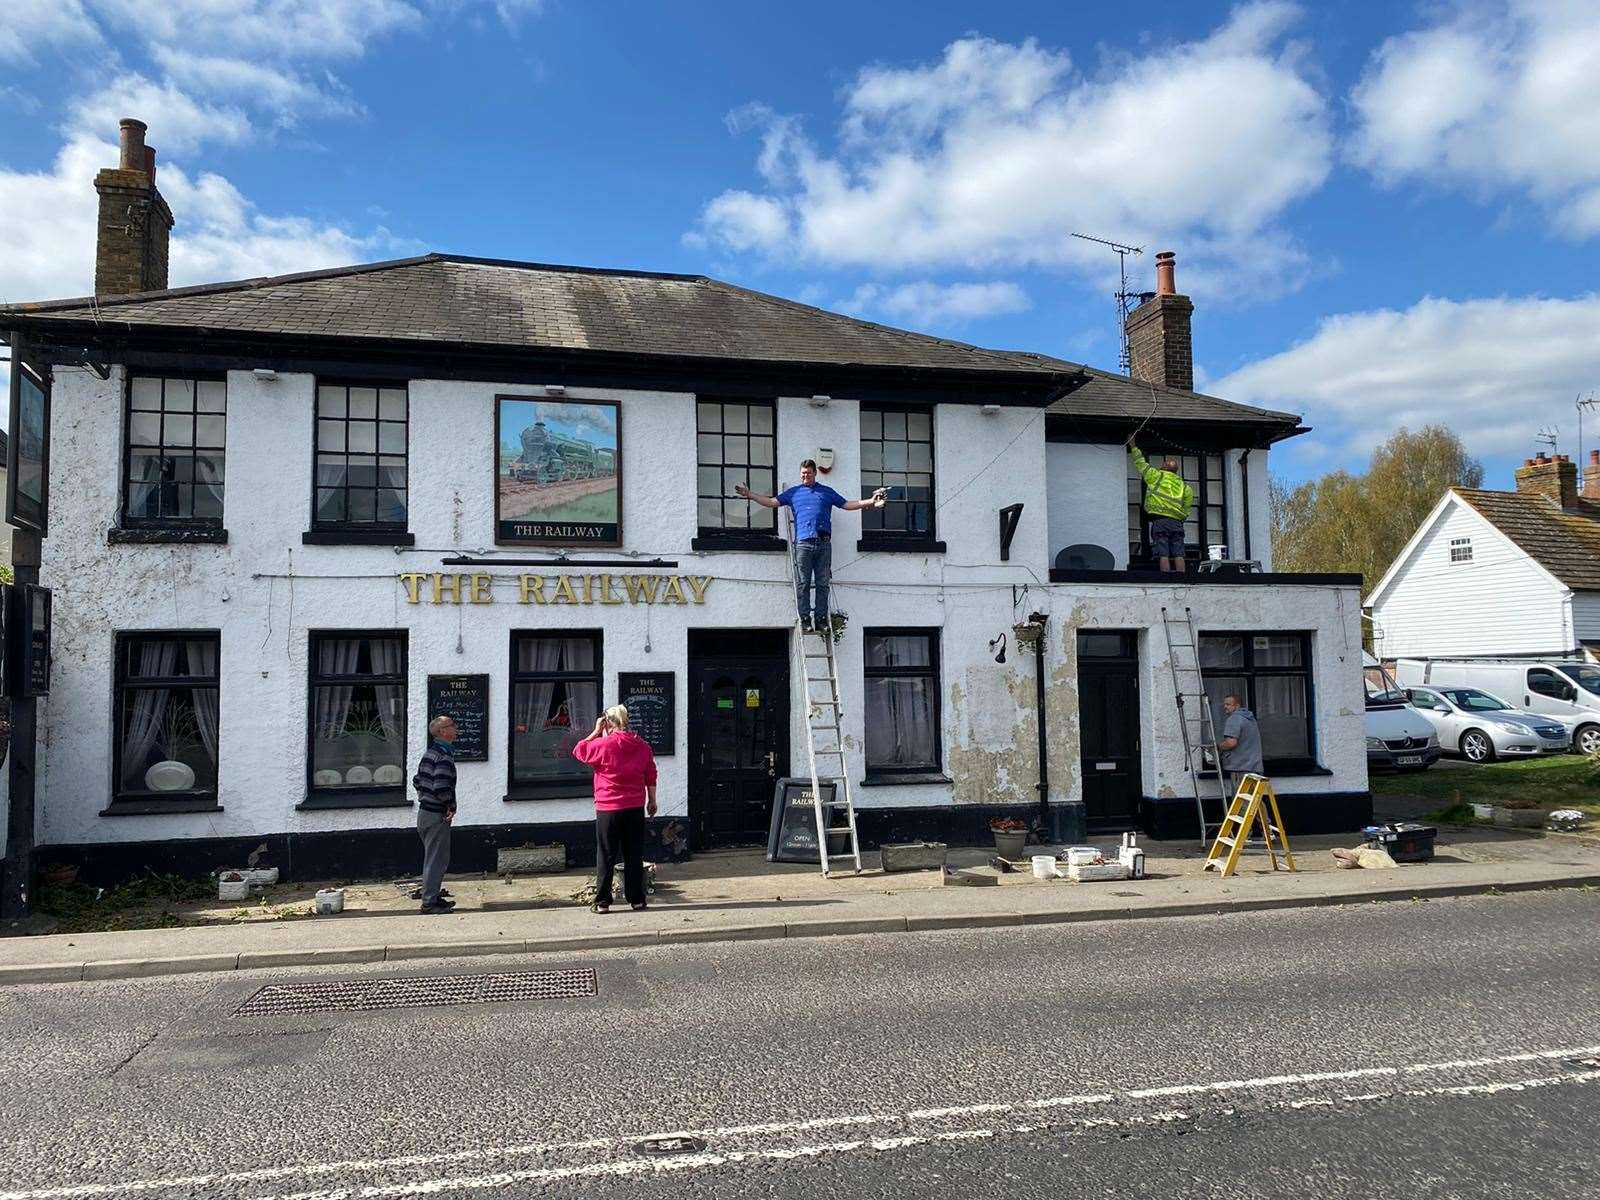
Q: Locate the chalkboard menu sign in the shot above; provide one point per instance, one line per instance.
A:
(465, 700)
(27, 635)
(651, 700)
(793, 836)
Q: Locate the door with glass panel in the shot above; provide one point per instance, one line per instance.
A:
(739, 747)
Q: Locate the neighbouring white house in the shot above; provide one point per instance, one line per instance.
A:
(1499, 573)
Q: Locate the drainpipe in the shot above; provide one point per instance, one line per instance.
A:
(1038, 691)
(1244, 496)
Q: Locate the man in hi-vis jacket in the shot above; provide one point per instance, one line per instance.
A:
(1167, 501)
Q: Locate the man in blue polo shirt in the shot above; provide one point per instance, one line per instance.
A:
(813, 504)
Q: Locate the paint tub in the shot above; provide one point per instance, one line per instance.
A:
(1216, 553)
(1044, 866)
(1082, 856)
(330, 900)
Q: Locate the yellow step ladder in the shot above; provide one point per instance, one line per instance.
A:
(1253, 803)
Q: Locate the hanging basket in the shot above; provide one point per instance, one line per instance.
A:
(1027, 634)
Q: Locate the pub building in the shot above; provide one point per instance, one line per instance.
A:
(292, 518)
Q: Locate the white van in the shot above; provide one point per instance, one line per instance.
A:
(1398, 736)
(1565, 689)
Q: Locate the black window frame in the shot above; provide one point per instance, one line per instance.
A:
(191, 524)
(356, 532)
(1193, 551)
(1460, 550)
(1309, 763)
(932, 634)
(579, 783)
(125, 801)
(385, 795)
(725, 537)
(900, 539)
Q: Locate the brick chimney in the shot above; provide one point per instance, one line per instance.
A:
(1158, 332)
(1591, 477)
(130, 252)
(1554, 478)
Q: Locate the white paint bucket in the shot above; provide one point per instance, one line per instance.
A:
(1216, 553)
(1044, 866)
(330, 900)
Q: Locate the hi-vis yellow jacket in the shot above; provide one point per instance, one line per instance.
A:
(1165, 494)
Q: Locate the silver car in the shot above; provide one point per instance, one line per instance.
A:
(1482, 727)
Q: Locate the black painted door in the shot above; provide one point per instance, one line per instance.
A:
(1108, 715)
(739, 747)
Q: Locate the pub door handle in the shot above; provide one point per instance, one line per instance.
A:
(772, 763)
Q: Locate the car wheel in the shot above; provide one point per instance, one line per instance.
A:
(1587, 740)
(1476, 746)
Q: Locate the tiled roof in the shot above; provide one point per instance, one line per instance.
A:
(1566, 544)
(1118, 396)
(484, 302)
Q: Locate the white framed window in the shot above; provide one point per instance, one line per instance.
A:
(1460, 549)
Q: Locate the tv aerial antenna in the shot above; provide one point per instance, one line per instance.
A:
(1549, 436)
(1581, 403)
(1124, 296)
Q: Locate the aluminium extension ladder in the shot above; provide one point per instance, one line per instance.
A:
(1199, 733)
(819, 675)
(1255, 803)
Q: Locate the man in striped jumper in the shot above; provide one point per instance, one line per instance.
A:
(435, 782)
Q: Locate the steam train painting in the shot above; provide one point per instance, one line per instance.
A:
(558, 467)
(554, 457)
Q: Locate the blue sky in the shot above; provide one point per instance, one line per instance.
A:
(1386, 213)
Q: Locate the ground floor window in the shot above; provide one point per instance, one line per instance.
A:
(167, 695)
(555, 698)
(357, 716)
(902, 700)
(1272, 672)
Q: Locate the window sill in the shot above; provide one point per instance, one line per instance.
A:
(354, 798)
(897, 780)
(1295, 768)
(357, 537)
(174, 536)
(151, 807)
(577, 789)
(875, 545)
(749, 542)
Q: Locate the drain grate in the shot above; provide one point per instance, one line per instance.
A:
(370, 995)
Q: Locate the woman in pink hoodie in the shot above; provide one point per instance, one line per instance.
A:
(624, 793)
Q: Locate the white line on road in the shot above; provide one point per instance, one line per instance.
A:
(312, 1170)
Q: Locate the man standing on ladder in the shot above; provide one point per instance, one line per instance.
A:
(1167, 501)
(1240, 743)
(813, 504)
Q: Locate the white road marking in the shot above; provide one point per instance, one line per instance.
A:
(679, 1162)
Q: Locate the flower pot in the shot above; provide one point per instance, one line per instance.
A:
(330, 900)
(233, 886)
(1009, 844)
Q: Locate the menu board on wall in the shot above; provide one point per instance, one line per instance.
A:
(793, 836)
(651, 700)
(465, 700)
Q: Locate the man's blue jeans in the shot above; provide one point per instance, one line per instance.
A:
(813, 563)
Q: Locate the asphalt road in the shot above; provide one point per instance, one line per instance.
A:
(1432, 1049)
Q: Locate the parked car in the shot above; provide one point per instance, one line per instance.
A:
(1398, 737)
(1566, 690)
(1483, 727)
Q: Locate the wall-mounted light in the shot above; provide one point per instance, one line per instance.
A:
(989, 410)
(555, 389)
(264, 374)
(820, 401)
(1001, 642)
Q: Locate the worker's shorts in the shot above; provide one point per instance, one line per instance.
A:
(1166, 537)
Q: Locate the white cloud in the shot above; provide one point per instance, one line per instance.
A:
(996, 153)
(281, 91)
(1500, 97)
(278, 29)
(178, 121)
(29, 25)
(1494, 370)
(930, 304)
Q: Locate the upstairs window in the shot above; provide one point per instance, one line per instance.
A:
(1460, 549)
(897, 453)
(1208, 519)
(176, 435)
(735, 442)
(361, 458)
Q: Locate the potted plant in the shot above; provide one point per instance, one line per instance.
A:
(1010, 836)
(836, 625)
(1027, 633)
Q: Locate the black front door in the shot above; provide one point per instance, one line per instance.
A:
(738, 745)
(1108, 716)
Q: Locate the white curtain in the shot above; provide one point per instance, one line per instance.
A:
(148, 705)
(388, 659)
(899, 721)
(535, 700)
(203, 662)
(335, 656)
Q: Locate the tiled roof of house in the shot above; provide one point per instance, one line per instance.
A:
(1119, 396)
(1567, 544)
(483, 302)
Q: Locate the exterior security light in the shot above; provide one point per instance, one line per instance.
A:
(820, 401)
(991, 409)
(265, 374)
(555, 389)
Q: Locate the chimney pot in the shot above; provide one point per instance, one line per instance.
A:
(150, 164)
(1594, 458)
(133, 155)
(1166, 283)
